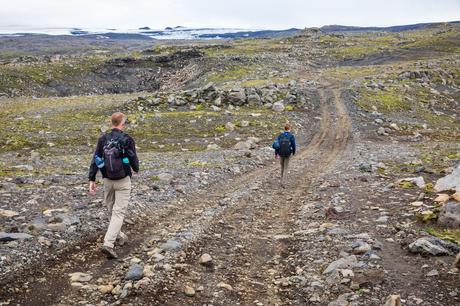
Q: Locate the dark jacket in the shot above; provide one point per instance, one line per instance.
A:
(291, 140)
(130, 152)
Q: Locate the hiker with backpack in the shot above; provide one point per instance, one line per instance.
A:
(285, 147)
(115, 157)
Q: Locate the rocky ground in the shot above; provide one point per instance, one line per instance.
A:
(370, 215)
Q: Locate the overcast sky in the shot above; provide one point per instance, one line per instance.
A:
(273, 14)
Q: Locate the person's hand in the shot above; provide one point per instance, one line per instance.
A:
(135, 173)
(92, 188)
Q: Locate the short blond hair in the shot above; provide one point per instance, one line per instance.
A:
(117, 118)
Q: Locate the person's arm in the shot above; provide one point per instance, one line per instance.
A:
(132, 155)
(293, 144)
(93, 167)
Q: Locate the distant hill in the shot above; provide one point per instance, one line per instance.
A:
(399, 28)
(253, 34)
(184, 33)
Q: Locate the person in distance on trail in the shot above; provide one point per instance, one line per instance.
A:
(115, 157)
(287, 147)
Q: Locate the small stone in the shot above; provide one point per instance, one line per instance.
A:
(347, 273)
(342, 263)
(116, 290)
(134, 260)
(135, 272)
(433, 272)
(278, 107)
(229, 126)
(449, 215)
(105, 289)
(381, 131)
(317, 284)
(442, 198)
(212, 147)
(144, 282)
(360, 247)
(165, 177)
(342, 300)
(148, 271)
(4, 237)
(218, 101)
(382, 219)
(76, 285)
(225, 286)
(12, 244)
(8, 213)
(205, 259)
(189, 291)
(393, 300)
(171, 246)
(282, 237)
(418, 181)
(80, 277)
(244, 123)
(374, 257)
(57, 227)
(244, 145)
(365, 167)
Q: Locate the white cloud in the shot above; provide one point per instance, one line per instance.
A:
(218, 13)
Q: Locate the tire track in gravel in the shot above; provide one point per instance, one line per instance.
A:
(198, 212)
(250, 240)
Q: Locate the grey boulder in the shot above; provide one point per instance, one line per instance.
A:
(342, 263)
(433, 246)
(451, 181)
(4, 237)
(450, 215)
(135, 272)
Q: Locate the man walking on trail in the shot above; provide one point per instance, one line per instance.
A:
(115, 157)
(287, 147)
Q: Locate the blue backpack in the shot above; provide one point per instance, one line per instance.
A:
(285, 145)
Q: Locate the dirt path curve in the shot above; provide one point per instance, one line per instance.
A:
(249, 241)
(245, 225)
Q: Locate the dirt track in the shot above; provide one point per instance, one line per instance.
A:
(248, 226)
(257, 228)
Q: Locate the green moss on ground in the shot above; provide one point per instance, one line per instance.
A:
(452, 235)
(390, 100)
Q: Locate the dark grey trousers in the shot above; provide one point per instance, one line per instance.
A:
(284, 161)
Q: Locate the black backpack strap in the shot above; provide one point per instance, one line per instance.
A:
(108, 137)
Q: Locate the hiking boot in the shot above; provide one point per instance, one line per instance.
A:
(122, 239)
(109, 252)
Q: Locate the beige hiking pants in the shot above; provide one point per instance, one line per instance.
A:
(284, 161)
(116, 198)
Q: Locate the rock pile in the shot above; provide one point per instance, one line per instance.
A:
(275, 97)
